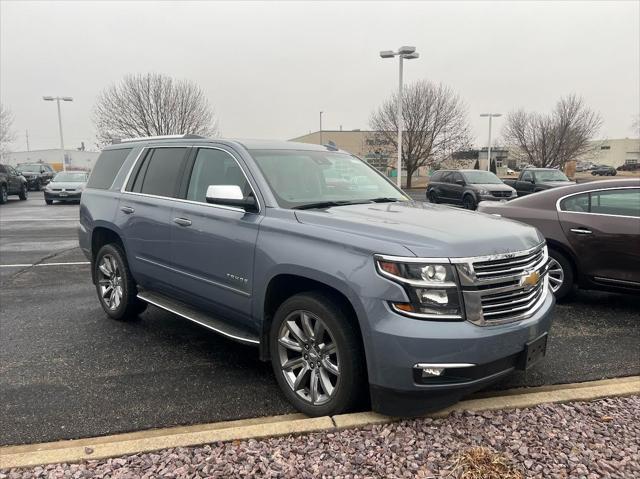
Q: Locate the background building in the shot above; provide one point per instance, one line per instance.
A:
(75, 159)
(616, 152)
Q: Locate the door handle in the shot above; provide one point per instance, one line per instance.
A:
(581, 231)
(182, 221)
(127, 210)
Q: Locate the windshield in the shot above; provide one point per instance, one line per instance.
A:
(70, 177)
(299, 178)
(30, 168)
(550, 175)
(480, 177)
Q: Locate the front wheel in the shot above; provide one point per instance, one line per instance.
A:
(116, 288)
(560, 274)
(432, 196)
(49, 202)
(316, 355)
(469, 202)
(24, 193)
(4, 196)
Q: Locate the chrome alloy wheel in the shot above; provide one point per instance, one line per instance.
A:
(556, 275)
(110, 282)
(309, 359)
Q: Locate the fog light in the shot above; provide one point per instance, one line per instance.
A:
(431, 372)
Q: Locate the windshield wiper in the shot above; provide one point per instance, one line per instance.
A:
(329, 204)
(383, 199)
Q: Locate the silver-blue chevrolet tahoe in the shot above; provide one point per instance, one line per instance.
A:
(352, 291)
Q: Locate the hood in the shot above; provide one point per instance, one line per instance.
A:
(492, 186)
(67, 185)
(553, 184)
(427, 230)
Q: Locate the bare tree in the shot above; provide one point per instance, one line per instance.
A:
(435, 124)
(6, 132)
(152, 104)
(553, 139)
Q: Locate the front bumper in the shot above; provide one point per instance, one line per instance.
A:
(35, 181)
(495, 198)
(398, 343)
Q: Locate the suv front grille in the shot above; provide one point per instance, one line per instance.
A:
(501, 194)
(504, 287)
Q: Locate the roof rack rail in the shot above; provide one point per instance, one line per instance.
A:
(184, 136)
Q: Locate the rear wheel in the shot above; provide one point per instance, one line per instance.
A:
(3, 194)
(24, 192)
(116, 288)
(469, 202)
(560, 274)
(317, 355)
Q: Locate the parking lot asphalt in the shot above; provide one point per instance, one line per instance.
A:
(66, 371)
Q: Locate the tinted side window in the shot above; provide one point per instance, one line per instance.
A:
(164, 171)
(456, 177)
(214, 167)
(578, 203)
(2, 169)
(447, 177)
(437, 176)
(527, 176)
(616, 202)
(107, 167)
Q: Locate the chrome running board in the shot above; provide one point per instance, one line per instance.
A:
(198, 317)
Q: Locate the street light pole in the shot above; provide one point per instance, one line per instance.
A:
(57, 99)
(490, 115)
(408, 53)
(321, 128)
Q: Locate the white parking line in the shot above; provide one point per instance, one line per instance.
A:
(28, 265)
(9, 220)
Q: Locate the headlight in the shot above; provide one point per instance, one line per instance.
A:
(483, 192)
(48, 187)
(431, 287)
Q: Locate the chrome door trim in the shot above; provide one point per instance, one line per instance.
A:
(637, 187)
(182, 200)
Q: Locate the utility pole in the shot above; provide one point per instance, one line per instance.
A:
(490, 115)
(26, 134)
(321, 128)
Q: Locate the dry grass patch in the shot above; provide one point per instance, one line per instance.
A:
(483, 463)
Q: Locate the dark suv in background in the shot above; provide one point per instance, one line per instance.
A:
(467, 188)
(11, 183)
(38, 175)
(312, 255)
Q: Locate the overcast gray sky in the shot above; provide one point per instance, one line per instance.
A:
(268, 68)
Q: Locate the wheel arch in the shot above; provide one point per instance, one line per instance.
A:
(556, 245)
(286, 284)
(100, 236)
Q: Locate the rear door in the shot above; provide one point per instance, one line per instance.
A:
(445, 186)
(145, 215)
(456, 189)
(14, 185)
(214, 245)
(603, 227)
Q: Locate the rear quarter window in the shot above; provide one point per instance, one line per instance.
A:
(106, 168)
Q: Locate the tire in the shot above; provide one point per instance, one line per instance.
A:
(469, 202)
(24, 192)
(3, 194)
(123, 304)
(560, 268)
(432, 197)
(335, 393)
(49, 202)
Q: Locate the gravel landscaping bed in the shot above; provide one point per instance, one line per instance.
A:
(582, 439)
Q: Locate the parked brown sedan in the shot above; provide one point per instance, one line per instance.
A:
(592, 231)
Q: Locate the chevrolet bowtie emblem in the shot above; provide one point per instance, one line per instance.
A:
(530, 280)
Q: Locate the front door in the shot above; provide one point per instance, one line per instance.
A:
(213, 244)
(603, 227)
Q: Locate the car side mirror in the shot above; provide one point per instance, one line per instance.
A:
(230, 195)
(460, 182)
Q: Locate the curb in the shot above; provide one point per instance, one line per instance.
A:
(145, 441)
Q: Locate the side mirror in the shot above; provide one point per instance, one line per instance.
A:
(230, 195)
(460, 182)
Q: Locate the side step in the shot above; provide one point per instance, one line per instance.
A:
(197, 316)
